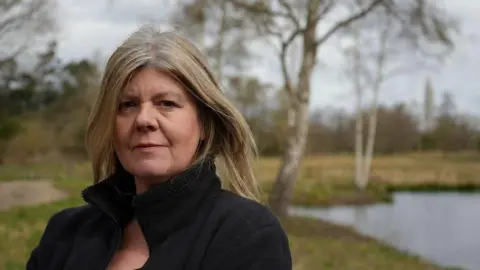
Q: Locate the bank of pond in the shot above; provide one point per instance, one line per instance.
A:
(437, 224)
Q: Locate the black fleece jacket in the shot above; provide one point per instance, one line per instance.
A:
(188, 222)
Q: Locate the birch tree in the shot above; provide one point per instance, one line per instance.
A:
(359, 95)
(314, 23)
(376, 57)
(428, 106)
(368, 72)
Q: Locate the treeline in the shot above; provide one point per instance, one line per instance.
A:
(44, 107)
(43, 112)
(400, 128)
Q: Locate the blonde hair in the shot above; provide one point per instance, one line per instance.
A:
(227, 134)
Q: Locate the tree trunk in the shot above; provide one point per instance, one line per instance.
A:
(372, 123)
(282, 192)
(359, 158)
(221, 41)
(372, 128)
(283, 189)
(359, 145)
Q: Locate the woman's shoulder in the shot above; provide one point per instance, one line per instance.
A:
(237, 219)
(65, 221)
(61, 227)
(247, 235)
(69, 214)
(248, 212)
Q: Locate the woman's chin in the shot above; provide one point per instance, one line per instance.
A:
(151, 172)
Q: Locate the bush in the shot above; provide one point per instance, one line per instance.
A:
(36, 142)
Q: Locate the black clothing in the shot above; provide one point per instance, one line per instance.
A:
(188, 222)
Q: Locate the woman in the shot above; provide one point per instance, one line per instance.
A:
(158, 124)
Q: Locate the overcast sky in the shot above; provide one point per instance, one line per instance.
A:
(90, 26)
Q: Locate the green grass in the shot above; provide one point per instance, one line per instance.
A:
(20, 231)
(324, 180)
(314, 245)
(320, 245)
(327, 194)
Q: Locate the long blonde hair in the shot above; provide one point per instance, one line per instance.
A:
(228, 135)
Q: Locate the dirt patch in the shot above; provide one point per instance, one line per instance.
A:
(27, 193)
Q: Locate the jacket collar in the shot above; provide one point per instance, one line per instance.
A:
(160, 210)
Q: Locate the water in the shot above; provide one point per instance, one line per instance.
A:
(443, 228)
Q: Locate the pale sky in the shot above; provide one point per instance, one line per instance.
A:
(90, 26)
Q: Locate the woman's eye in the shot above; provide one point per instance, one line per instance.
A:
(167, 104)
(126, 105)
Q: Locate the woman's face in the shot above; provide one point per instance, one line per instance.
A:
(157, 129)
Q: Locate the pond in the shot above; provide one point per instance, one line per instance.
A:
(443, 228)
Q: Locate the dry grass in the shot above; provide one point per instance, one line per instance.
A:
(411, 169)
(327, 179)
(405, 169)
(50, 171)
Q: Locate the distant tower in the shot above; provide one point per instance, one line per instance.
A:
(429, 106)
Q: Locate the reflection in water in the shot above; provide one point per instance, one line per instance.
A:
(440, 227)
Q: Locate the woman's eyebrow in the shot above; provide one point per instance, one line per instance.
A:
(162, 94)
(128, 96)
(172, 94)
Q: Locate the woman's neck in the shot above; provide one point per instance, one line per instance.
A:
(144, 184)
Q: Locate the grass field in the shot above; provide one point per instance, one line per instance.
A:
(324, 180)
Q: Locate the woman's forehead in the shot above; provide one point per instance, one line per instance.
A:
(150, 80)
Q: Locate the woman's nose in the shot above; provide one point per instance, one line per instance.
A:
(146, 119)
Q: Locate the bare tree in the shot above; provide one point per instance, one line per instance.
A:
(429, 106)
(376, 58)
(21, 22)
(376, 82)
(368, 71)
(219, 32)
(359, 95)
(285, 21)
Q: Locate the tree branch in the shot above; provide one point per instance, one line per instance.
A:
(346, 22)
(327, 7)
(268, 30)
(283, 57)
(290, 13)
(28, 11)
(259, 9)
